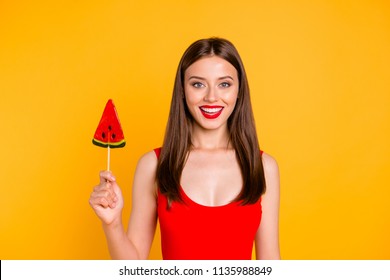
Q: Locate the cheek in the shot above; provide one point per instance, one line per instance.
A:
(189, 102)
(233, 105)
(231, 97)
(191, 97)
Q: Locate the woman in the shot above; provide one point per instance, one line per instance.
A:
(212, 189)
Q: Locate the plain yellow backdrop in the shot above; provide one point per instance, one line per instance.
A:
(319, 73)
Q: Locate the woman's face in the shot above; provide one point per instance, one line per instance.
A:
(211, 89)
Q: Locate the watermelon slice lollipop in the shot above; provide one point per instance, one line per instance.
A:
(109, 133)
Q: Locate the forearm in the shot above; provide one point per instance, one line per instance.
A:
(119, 245)
(268, 253)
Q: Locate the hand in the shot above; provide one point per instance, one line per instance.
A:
(106, 199)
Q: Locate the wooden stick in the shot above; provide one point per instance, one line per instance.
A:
(108, 158)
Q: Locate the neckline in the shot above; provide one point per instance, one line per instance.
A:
(189, 200)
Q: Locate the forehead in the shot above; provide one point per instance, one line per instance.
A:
(211, 66)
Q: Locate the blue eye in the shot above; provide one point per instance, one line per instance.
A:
(225, 84)
(197, 85)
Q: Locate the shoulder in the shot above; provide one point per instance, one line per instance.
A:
(148, 162)
(145, 175)
(149, 158)
(271, 169)
(269, 163)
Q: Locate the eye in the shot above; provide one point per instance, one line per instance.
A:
(225, 85)
(197, 85)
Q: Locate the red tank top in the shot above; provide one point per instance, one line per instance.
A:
(190, 231)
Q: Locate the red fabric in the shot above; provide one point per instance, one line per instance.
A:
(191, 231)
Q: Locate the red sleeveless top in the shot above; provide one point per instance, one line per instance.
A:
(191, 231)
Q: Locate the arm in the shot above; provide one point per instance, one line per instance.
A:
(143, 218)
(107, 201)
(267, 236)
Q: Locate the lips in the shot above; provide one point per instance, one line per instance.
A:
(211, 112)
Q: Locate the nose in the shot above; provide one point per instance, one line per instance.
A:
(211, 95)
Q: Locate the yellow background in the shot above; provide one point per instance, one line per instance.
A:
(319, 73)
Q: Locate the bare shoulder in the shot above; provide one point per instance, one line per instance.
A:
(148, 162)
(271, 171)
(269, 163)
(145, 173)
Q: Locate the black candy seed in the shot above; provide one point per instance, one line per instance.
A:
(103, 135)
(109, 127)
(113, 136)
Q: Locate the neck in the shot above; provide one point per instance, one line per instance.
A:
(210, 139)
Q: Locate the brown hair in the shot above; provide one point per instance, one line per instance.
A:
(241, 125)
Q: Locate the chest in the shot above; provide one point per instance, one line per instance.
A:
(193, 231)
(212, 179)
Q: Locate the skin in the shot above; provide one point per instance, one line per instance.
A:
(211, 175)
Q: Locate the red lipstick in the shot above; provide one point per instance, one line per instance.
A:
(211, 112)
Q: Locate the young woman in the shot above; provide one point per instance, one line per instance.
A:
(212, 189)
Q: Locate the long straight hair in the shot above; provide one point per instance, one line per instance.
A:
(241, 126)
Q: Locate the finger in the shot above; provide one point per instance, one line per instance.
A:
(107, 193)
(110, 188)
(98, 202)
(117, 190)
(106, 176)
(103, 186)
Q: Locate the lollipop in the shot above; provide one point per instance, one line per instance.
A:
(109, 133)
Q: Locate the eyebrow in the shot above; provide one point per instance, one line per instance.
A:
(220, 78)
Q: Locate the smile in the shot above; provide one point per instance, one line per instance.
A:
(211, 112)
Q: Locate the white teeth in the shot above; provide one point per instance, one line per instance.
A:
(211, 110)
